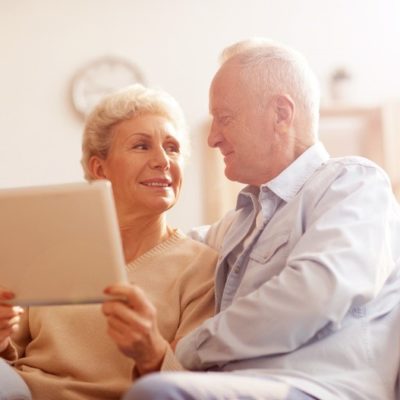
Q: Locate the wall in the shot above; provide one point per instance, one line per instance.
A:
(176, 43)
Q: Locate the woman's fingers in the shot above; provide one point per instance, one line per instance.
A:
(133, 338)
(129, 321)
(134, 296)
(125, 337)
(9, 317)
(128, 314)
(132, 324)
(9, 322)
(6, 294)
(8, 311)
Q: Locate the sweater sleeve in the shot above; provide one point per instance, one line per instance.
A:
(190, 296)
(197, 299)
(197, 289)
(170, 362)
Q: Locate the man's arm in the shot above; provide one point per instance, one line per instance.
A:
(340, 262)
(213, 235)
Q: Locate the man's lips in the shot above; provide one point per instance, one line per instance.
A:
(226, 154)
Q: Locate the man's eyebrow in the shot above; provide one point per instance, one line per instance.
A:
(219, 110)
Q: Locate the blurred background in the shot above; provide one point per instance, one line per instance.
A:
(46, 44)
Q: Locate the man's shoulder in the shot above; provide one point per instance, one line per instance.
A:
(349, 168)
(353, 178)
(350, 162)
(213, 235)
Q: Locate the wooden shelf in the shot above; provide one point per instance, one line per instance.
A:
(348, 111)
(377, 128)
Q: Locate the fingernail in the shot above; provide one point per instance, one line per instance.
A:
(7, 295)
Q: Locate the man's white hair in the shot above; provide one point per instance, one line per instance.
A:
(277, 69)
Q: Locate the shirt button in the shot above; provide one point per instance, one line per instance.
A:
(237, 269)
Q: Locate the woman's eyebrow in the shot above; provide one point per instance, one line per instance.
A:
(149, 136)
(140, 134)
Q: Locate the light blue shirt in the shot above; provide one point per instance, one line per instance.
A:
(311, 293)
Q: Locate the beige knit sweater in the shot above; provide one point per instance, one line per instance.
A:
(64, 352)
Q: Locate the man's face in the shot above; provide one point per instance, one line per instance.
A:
(242, 128)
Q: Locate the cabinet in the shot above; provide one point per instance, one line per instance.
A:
(372, 132)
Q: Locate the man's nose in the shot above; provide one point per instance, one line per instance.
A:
(214, 137)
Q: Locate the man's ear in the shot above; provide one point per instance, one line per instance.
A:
(284, 111)
(96, 167)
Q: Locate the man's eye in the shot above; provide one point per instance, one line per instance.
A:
(224, 120)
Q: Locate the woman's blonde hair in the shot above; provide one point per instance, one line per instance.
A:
(129, 102)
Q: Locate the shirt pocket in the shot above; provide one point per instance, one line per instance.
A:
(270, 247)
(266, 260)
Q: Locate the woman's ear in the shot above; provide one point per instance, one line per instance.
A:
(284, 111)
(96, 167)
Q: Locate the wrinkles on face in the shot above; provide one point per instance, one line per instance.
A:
(242, 128)
(145, 164)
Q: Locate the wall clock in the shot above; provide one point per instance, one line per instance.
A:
(100, 77)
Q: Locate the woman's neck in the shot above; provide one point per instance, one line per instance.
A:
(140, 234)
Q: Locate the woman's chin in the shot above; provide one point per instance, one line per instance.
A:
(161, 204)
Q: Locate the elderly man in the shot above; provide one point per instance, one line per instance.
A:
(307, 286)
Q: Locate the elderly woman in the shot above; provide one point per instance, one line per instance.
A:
(135, 138)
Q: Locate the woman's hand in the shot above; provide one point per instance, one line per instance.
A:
(132, 324)
(9, 318)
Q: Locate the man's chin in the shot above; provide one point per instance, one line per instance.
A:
(231, 175)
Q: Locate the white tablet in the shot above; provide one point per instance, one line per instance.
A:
(60, 244)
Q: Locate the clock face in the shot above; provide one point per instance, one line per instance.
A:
(99, 78)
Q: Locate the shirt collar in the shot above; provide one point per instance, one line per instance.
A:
(287, 184)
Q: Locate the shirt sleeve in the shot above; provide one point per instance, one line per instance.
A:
(213, 235)
(340, 262)
(171, 362)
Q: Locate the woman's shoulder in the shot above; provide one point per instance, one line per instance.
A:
(196, 262)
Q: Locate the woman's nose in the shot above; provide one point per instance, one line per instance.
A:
(159, 159)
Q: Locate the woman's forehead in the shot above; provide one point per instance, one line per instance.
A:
(147, 125)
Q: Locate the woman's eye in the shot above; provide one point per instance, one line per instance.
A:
(140, 146)
(172, 148)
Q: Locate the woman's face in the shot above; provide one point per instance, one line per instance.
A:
(144, 165)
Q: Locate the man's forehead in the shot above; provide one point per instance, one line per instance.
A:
(226, 75)
(219, 99)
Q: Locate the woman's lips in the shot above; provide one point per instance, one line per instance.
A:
(162, 183)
